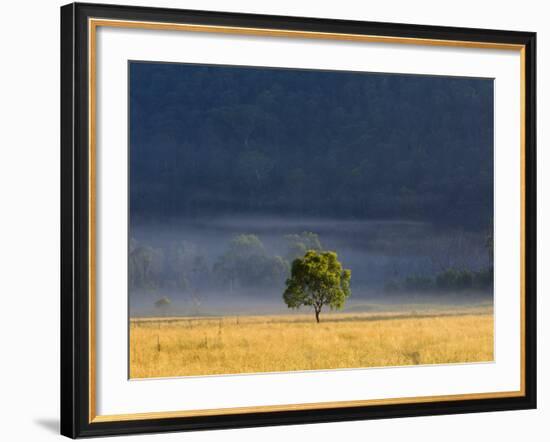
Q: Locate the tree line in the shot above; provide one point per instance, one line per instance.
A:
(244, 264)
(451, 279)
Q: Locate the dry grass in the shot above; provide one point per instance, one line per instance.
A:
(206, 346)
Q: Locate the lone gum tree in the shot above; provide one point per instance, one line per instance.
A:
(316, 280)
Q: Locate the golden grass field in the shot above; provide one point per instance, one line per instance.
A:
(163, 347)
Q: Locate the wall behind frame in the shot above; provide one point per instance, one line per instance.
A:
(29, 225)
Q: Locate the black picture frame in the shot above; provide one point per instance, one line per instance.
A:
(75, 219)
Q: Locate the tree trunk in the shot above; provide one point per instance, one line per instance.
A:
(317, 311)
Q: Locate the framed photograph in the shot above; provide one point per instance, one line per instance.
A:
(274, 220)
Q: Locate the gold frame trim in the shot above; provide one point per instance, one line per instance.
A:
(93, 24)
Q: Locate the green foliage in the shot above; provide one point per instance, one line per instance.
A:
(299, 244)
(273, 270)
(163, 304)
(247, 264)
(182, 265)
(316, 280)
(453, 279)
(246, 245)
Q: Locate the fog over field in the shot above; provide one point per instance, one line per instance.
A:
(237, 171)
(377, 252)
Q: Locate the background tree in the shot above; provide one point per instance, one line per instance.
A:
(232, 266)
(163, 304)
(187, 266)
(299, 244)
(316, 280)
(247, 264)
(145, 266)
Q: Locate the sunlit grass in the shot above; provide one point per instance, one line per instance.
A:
(247, 344)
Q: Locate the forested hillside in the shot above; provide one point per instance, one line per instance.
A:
(236, 141)
(237, 171)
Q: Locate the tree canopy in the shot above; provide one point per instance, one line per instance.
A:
(299, 244)
(316, 280)
(247, 264)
